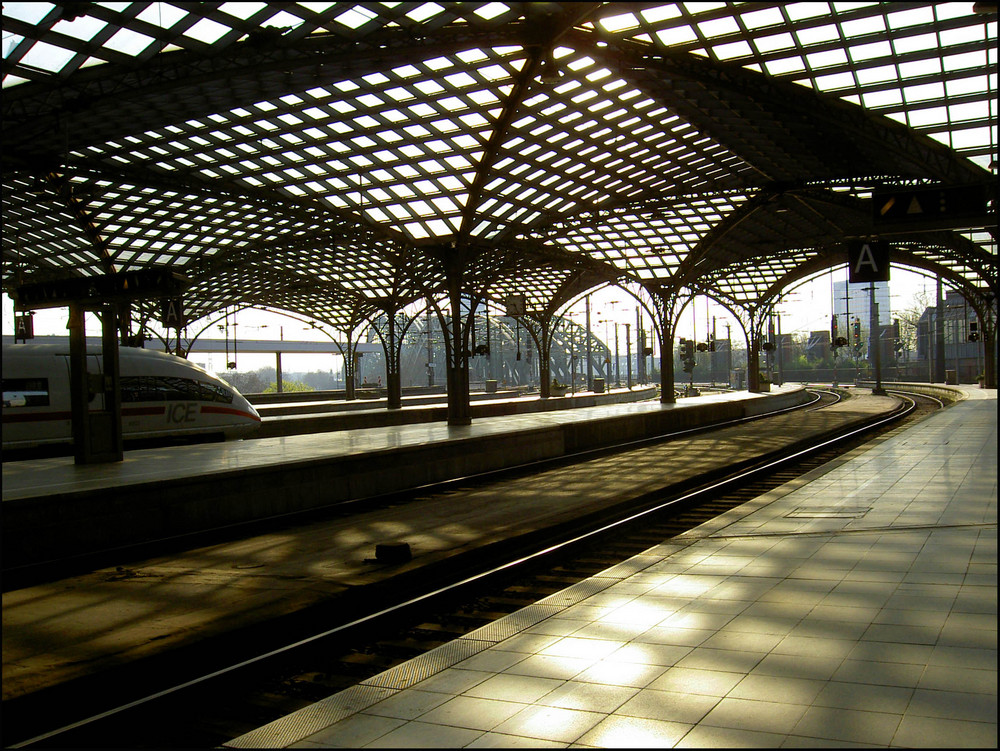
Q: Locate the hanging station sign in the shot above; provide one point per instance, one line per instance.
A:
(868, 261)
(127, 285)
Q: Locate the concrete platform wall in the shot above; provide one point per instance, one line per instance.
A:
(74, 523)
(289, 420)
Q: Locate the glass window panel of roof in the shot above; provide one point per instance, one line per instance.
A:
(283, 19)
(242, 10)
(424, 11)
(83, 28)
(128, 42)
(48, 57)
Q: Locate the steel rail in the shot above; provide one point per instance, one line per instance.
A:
(713, 488)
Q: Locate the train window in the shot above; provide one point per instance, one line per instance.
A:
(25, 392)
(168, 388)
(139, 389)
(211, 392)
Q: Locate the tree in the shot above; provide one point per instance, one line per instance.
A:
(287, 386)
(245, 383)
(908, 318)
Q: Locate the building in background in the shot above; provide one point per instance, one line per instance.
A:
(963, 345)
(858, 306)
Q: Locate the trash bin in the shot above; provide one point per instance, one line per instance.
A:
(491, 387)
(951, 377)
(598, 385)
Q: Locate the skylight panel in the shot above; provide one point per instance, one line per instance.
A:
(863, 52)
(417, 130)
(444, 126)
(732, 50)
(242, 10)
(774, 42)
(919, 68)
(659, 13)
(31, 13)
(903, 45)
(422, 110)
(970, 85)
(760, 18)
(424, 11)
(429, 87)
(470, 57)
(207, 31)
(283, 19)
(460, 80)
(128, 42)
(976, 59)
(494, 73)
(439, 63)
(950, 37)
(877, 75)
(48, 57)
(83, 28)
(489, 11)
(483, 97)
(718, 27)
(924, 92)
(910, 17)
(835, 81)
(826, 59)
(452, 104)
(623, 22)
(676, 35)
(355, 18)
(10, 43)
(929, 116)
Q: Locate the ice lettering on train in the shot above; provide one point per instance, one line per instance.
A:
(182, 412)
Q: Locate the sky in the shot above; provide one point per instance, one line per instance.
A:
(805, 309)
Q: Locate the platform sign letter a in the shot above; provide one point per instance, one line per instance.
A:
(172, 313)
(24, 327)
(868, 260)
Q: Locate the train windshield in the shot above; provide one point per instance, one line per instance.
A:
(171, 388)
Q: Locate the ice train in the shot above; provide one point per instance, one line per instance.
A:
(162, 397)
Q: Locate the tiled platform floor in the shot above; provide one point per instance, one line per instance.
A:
(856, 607)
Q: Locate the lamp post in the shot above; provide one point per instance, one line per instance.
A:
(430, 352)
(618, 378)
(618, 365)
(628, 353)
(590, 365)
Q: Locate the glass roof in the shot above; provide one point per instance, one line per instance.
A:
(298, 151)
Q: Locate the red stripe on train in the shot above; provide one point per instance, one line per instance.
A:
(126, 412)
(207, 409)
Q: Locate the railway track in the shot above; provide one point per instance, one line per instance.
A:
(207, 712)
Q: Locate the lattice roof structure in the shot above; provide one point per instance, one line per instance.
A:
(340, 160)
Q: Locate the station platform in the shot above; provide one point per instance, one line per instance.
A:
(853, 607)
(54, 508)
(146, 611)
